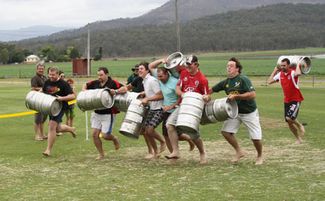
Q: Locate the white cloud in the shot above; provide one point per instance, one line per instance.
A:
(16, 14)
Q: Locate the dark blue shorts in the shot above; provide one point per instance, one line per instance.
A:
(291, 110)
(57, 118)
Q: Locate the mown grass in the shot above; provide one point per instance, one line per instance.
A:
(212, 64)
(290, 172)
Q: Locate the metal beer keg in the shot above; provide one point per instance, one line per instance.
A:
(304, 61)
(219, 110)
(43, 103)
(122, 101)
(190, 113)
(172, 61)
(134, 117)
(94, 99)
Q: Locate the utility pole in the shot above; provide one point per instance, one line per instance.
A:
(177, 27)
(88, 54)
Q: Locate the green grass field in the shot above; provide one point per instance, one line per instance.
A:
(212, 64)
(291, 172)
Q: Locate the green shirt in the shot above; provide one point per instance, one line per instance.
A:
(238, 85)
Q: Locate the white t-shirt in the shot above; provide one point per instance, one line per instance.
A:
(151, 87)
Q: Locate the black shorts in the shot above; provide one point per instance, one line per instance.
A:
(57, 118)
(291, 110)
(164, 128)
(154, 118)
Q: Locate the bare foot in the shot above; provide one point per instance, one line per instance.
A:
(192, 145)
(203, 159)
(172, 156)
(73, 132)
(100, 157)
(149, 156)
(38, 138)
(298, 141)
(259, 161)
(46, 153)
(59, 134)
(116, 143)
(238, 156)
(162, 147)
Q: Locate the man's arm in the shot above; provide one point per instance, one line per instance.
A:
(245, 96)
(298, 70)
(270, 80)
(156, 63)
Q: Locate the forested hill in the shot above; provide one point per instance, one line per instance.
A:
(281, 26)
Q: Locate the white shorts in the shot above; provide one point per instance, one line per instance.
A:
(251, 121)
(172, 119)
(103, 122)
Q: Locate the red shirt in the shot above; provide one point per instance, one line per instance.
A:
(289, 83)
(193, 83)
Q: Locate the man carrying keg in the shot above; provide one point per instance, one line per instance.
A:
(190, 80)
(167, 85)
(288, 78)
(102, 120)
(238, 87)
(37, 82)
(63, 92)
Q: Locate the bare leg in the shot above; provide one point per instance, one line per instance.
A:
(158, 137)
(184, 137)
(150, 149)
(233, 142)
(173, 137)
(169, 146)
(199, 144)
(51, 137)
(259, 148)
(151, 137)
(294, 130)
(66, 128)
(38, 134)
(113, 138)
(98, 144)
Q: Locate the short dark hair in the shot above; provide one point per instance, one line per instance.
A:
(104, 69)
(238, 64)
(286, 60)
(53, 69)
(145, 64)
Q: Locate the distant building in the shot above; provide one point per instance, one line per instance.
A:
(31, 59)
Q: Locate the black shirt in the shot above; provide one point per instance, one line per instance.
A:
(58, 88)
(137, 84)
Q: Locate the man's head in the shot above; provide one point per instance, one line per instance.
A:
(61, 74)
(192, 64)
(53, 74)
(234, 67)
(143, 69)
(102, 73)
(40, 68)
(162, 74)
(285, 64)
(136, 69)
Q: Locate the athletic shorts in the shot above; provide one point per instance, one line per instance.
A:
(251, 122)
(291, 110)
(102, 122)
(57, 118)
(40, 118)
(154, 118)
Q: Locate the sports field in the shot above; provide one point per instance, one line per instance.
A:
(290, 171)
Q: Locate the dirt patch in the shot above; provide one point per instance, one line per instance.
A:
(270, 123)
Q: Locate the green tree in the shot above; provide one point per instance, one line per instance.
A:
(99, 55)
(4, 56)
(74, 53)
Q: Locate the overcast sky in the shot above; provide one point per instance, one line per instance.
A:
(15, 14)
